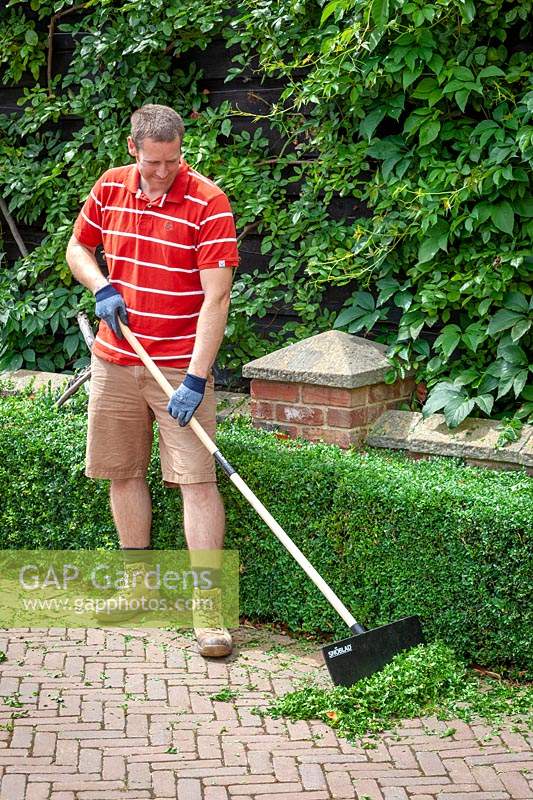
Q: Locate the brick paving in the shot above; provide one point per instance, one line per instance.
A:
(100, 714)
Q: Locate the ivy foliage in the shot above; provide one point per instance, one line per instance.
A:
(419, 113)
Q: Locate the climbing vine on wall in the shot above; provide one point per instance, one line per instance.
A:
(420, 113)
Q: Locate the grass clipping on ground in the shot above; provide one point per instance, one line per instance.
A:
(427, 680)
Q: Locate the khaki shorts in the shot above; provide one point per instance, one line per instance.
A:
(123, 404)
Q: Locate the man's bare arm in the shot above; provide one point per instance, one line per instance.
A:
(216, 284)
(84, 266)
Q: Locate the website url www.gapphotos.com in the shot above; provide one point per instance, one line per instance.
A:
(83, 605)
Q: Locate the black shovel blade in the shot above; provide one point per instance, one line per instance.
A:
(365, 653)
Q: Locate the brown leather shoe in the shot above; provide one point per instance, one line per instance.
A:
(214, 640)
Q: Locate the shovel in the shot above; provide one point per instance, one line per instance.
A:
(349, 659)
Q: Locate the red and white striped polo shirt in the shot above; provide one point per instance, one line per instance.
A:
(155, 250)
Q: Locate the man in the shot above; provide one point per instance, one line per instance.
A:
(170, 245)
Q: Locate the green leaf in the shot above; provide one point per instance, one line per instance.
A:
(516, 301)
(457, 410)
(225, 128)
(31, 37)
(485, 402)
(434, 364)
(330, 9)
(430, 246)
(409, 76)
(347, 315)
(468, 10)
(502, 320)
(474, 335)
(502, 215)
(384, 148)
(519, 382)
(429, 132)
(461, 98)
(439, 396)
(520, 329)
(11, 362)
(466, 376)
(387, 287)
(491, 72)
(512, 353)
(527, 392)
(380, 12)
(524, 207)
(403, 300)
(365, 300)
(71, 344)
(484, 306)
(448, 340)
(488, 384)
(425, 88)
(371, 122)
(367, 321)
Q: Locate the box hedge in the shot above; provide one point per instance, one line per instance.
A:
(392, 536)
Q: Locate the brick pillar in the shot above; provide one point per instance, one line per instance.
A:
(335, 415)
(329, 387)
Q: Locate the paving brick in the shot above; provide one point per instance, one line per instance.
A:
(13, 787)
(312, 776)
(90, 760)
(164, 783)
(487, 778)
(516, 785)
(395, 793)
(474, 796)
(259, 761)
(294, 796)
(285, 769)
(37, 791)
(260, 789)
(431, 763)
(215, 793)
(341, 786)
(189, 788)
(114, 768)
(403, 757)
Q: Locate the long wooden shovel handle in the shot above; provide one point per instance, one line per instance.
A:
(245, 490)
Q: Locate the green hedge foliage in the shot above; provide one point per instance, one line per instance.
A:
(392, 536)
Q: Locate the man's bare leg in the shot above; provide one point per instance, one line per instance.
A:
(131, 505)
(204, 523)
(203, 516)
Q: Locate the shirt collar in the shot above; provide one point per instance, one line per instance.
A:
(175, 194)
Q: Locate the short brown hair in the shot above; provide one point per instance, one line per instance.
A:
(160, 123)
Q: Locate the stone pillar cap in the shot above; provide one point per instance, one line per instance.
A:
(333, 358)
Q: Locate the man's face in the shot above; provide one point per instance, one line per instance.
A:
(158, 162)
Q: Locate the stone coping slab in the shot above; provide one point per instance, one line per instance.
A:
(333, 358)
(22, 377)
(228, 403)
(473, 438)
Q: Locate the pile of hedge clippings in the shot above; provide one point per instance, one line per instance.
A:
(427, 680)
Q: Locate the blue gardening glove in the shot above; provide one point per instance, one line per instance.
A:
(109, 303)
(187, 398)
